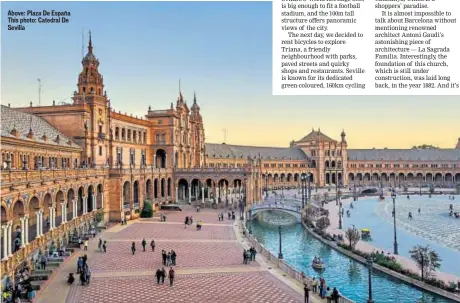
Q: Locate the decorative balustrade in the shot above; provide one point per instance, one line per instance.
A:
(281, 264)
(19, 176)
(209, 170)
(276, 206)
(24, 254)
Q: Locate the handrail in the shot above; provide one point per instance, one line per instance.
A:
(288, 269)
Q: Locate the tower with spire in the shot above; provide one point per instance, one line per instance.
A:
(90, 81)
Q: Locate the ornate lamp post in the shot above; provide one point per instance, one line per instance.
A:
(243, 202)
(280, 254)
(266, 185)
(395, 244)
(250, 221)
(338, 203)
(302, 182)
(369, 269)
(309, 188)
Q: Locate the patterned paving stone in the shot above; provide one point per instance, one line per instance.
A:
(119, 258)
(256, 287)
(175, 231)
(207, 216)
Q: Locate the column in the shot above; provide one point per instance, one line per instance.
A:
(102, 200)
(85, 205)
(10, 238)
(74, 209)
(5, 241)
(23, 219)
(202, 195)
(94, 202)
(155, 161)
(51, 218)
(37, 224)
(166, 160)
(26, 231)
(63, 212)
(190, 194)
(183, 192)
(177, 194)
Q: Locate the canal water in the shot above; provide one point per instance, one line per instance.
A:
(349, 276)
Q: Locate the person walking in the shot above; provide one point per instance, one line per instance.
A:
(104, 246)
(43, 261)
(86, 244)
(306, 293)
(163, 256)
(163, 275)
(173, 257)
(171, 277)
(158, 275)
(314, 285)
(144, 243)
(79, 265)
(152, 244)
(99, 244)
(133, 248)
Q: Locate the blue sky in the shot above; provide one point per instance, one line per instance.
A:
(220, 49)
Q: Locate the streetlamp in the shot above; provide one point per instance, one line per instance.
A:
(250, 221)
(309, 189)
(243, 202)
(395, 244)
(280, 254)
(266, 185)
(338, 203)
(369, 269)
(303, 179)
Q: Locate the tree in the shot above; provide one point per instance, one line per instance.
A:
(147, 210)
(353, 236)
(323, 223)
(427, 259)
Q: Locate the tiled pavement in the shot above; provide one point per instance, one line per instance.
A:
(175, 231)
(209, 267)
(208, 254)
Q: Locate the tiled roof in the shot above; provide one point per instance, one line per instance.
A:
(214, 150)
(316, 136)
(414, 154)
(22, 122)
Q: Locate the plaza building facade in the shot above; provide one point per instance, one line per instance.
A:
(67, 166)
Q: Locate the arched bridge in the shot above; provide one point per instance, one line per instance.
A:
(292, 210)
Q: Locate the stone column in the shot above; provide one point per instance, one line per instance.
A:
(37, 224)
(177, 194)
(166, 160)
(202, 195)
(26, 231)
(51, 218)
(85, 204)
(63, 212)
(155, 161)
(23, 223)
(5, 241)
(74, 209)
(94, 202)
(189, 194)
(10, 238)
(102, 200)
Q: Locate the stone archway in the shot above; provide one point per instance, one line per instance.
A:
(47, 203)
(4, 218)
(89, 199)
(182, 190)
(126, 194)
(148, 189)
(80, 208)
(34, 207)
(136, 197)
(100, 197)
(163, 188)
(169, 188)
(196, 189)
(17, 214)
(58, 208)
(70, 199)
(160, 158)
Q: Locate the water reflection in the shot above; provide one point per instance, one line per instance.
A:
(299, 248)
(276, 217)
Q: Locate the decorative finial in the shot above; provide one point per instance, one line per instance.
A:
(150, 108)
(194, 97)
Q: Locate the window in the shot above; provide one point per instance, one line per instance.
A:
(100, 150)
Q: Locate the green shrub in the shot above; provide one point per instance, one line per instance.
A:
(147, 210)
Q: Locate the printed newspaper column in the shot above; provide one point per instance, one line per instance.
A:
(319, 47)
(356, 47)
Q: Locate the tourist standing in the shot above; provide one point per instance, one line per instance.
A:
(86, 244)
(186, 222)
(43, 261)
(79, 265)
(168, 259)
(104, 246)
(158, 275)
(99, 244)
(152, 244)
(163, 256)
(133, 248)
(171, 277)
(173, 257)
(144, 243)
(163, 275)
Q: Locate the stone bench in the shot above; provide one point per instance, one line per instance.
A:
(40, 276)
(36, 284)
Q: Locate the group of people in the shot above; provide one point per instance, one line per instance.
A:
(320, 288)
(21, 288)
(161, 275)
(168, 258)
(453, 213)
(83, 270)
(249, 255)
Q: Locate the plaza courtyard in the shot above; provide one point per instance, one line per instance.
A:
(209, 266)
